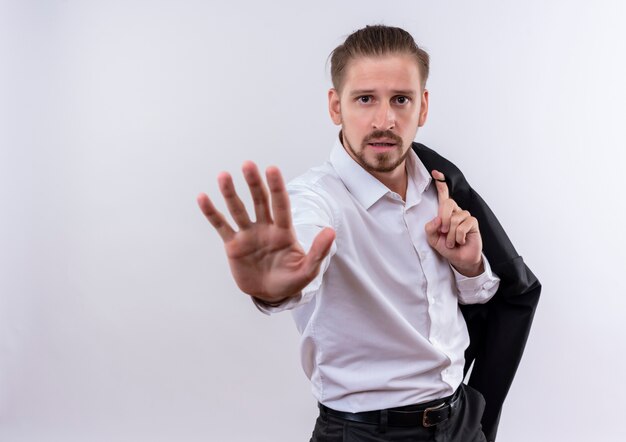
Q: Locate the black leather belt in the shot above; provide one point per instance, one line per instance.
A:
(410, 416)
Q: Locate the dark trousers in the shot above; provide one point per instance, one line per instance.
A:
(462, 426)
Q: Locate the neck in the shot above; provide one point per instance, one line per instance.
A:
(396, 180)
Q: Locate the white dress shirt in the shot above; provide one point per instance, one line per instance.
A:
(380, 324)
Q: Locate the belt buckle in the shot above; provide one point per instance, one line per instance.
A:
(425, 422)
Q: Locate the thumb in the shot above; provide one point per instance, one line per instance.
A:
(432, 230)
(319, 250)
(321, 245)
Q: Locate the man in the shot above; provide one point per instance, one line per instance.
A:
(390, 257)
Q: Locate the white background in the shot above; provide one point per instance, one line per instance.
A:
(119, 320)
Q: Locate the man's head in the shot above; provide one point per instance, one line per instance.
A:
(372, 41)
(378, 97)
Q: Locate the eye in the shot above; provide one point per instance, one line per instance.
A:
(401, 99)
(364, 99)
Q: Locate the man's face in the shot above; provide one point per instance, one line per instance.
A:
(380, 107)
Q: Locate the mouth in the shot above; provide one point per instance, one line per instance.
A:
(382, 145)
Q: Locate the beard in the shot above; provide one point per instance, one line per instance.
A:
(382, 161)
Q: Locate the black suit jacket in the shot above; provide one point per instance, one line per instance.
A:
(498, 329)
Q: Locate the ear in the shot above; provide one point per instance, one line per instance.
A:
(423, 108)
(334, 106)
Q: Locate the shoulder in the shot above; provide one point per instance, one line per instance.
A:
(432, 160)
(315, 191)
(321, 176)
(320, 181)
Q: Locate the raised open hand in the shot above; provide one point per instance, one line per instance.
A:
(265, 257)
(454, 233)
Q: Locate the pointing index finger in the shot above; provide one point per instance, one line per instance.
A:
(442, 186)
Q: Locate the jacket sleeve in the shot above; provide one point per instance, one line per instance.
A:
(498, 329)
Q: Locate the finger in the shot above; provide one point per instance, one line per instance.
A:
(469, 225)
(432, 230)
(446, 209)
(455, 220)
(258, 192)
(216, 219)
(442, 187)
(319, 250)
(280, 199)
(235, 206)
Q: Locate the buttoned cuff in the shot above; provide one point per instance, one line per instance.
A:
(476, 289)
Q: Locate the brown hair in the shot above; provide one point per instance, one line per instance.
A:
(376, 40)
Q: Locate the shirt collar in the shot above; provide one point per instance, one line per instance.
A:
(419, 179)
(366, 188)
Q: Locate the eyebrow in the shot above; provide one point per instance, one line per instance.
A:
(409, 92)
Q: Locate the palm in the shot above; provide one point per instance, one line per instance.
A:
(265, 257)
(468, 252)
(454, 233)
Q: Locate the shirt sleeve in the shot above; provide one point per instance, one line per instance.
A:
(310, 214)
(477, 289)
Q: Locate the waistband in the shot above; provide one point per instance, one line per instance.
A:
(427, 414)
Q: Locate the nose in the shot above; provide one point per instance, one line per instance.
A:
(384, 118)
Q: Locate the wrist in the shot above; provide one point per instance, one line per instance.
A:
(272, 302)
(470, 270)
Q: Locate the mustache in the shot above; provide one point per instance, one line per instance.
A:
(382, 134)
